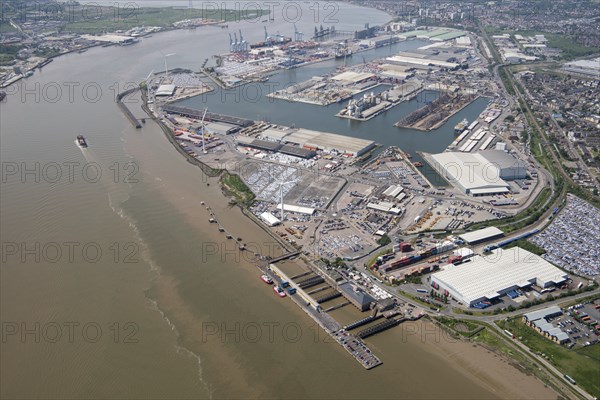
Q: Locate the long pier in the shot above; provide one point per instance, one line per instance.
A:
(301, 275)
(329, 296)
(134, 121)
(357, 349)
(317, 290)
(382, 326)
(337, 306)
(286, 256)
(353, 345)
(310, 282)
(362, 322)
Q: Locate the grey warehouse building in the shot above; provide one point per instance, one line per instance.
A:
(509, 168)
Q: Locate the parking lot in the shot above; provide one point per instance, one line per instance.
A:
(580, 322)
(571, 240)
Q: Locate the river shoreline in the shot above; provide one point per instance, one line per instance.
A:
(259, 224)
(192, 291)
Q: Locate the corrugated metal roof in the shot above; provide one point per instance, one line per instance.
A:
(500, 271)
(481, 234)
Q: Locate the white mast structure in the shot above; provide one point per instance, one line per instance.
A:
(281, 183)
(165, 57)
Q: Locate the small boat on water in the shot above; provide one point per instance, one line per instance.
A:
(81, 142)
(280, 292)
(266, 279)
(418, 164)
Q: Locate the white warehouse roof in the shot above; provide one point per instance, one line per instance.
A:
(352, 77)
(422, 61)
(481, 234)
(491, 276)
(329, 141)
(470, 171)
(270, 219)
(275, 134)
(296, 209)
(165, 90)
(393, 191)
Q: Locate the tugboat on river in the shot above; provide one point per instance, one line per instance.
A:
(80, 141)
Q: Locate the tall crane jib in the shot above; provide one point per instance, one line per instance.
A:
(243, 43)
(298, 36)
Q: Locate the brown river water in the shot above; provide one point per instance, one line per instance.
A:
(114, 285)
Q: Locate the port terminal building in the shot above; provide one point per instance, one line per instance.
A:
(486, 278)
(479, 174)
(356, 296)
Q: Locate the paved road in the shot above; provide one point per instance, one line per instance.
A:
(497, 317)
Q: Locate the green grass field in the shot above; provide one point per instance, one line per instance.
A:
(110, 19)
(524, 244)
(582, 365)
(570, 49)
(234, 185)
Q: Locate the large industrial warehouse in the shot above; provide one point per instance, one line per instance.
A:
(481, 235)
(316, 140)
(487, 278)
(509, 168)
(478, 174)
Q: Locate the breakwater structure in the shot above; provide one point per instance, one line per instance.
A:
(206, 169)
(134, 121)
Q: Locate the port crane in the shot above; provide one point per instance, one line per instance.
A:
(268, 38)
(236, 46)
(297, 34)
(243, 43)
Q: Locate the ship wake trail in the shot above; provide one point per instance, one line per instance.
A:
(183, 350)
(155, 269)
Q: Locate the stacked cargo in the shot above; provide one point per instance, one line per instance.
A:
(405, 247)
(455, 260)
